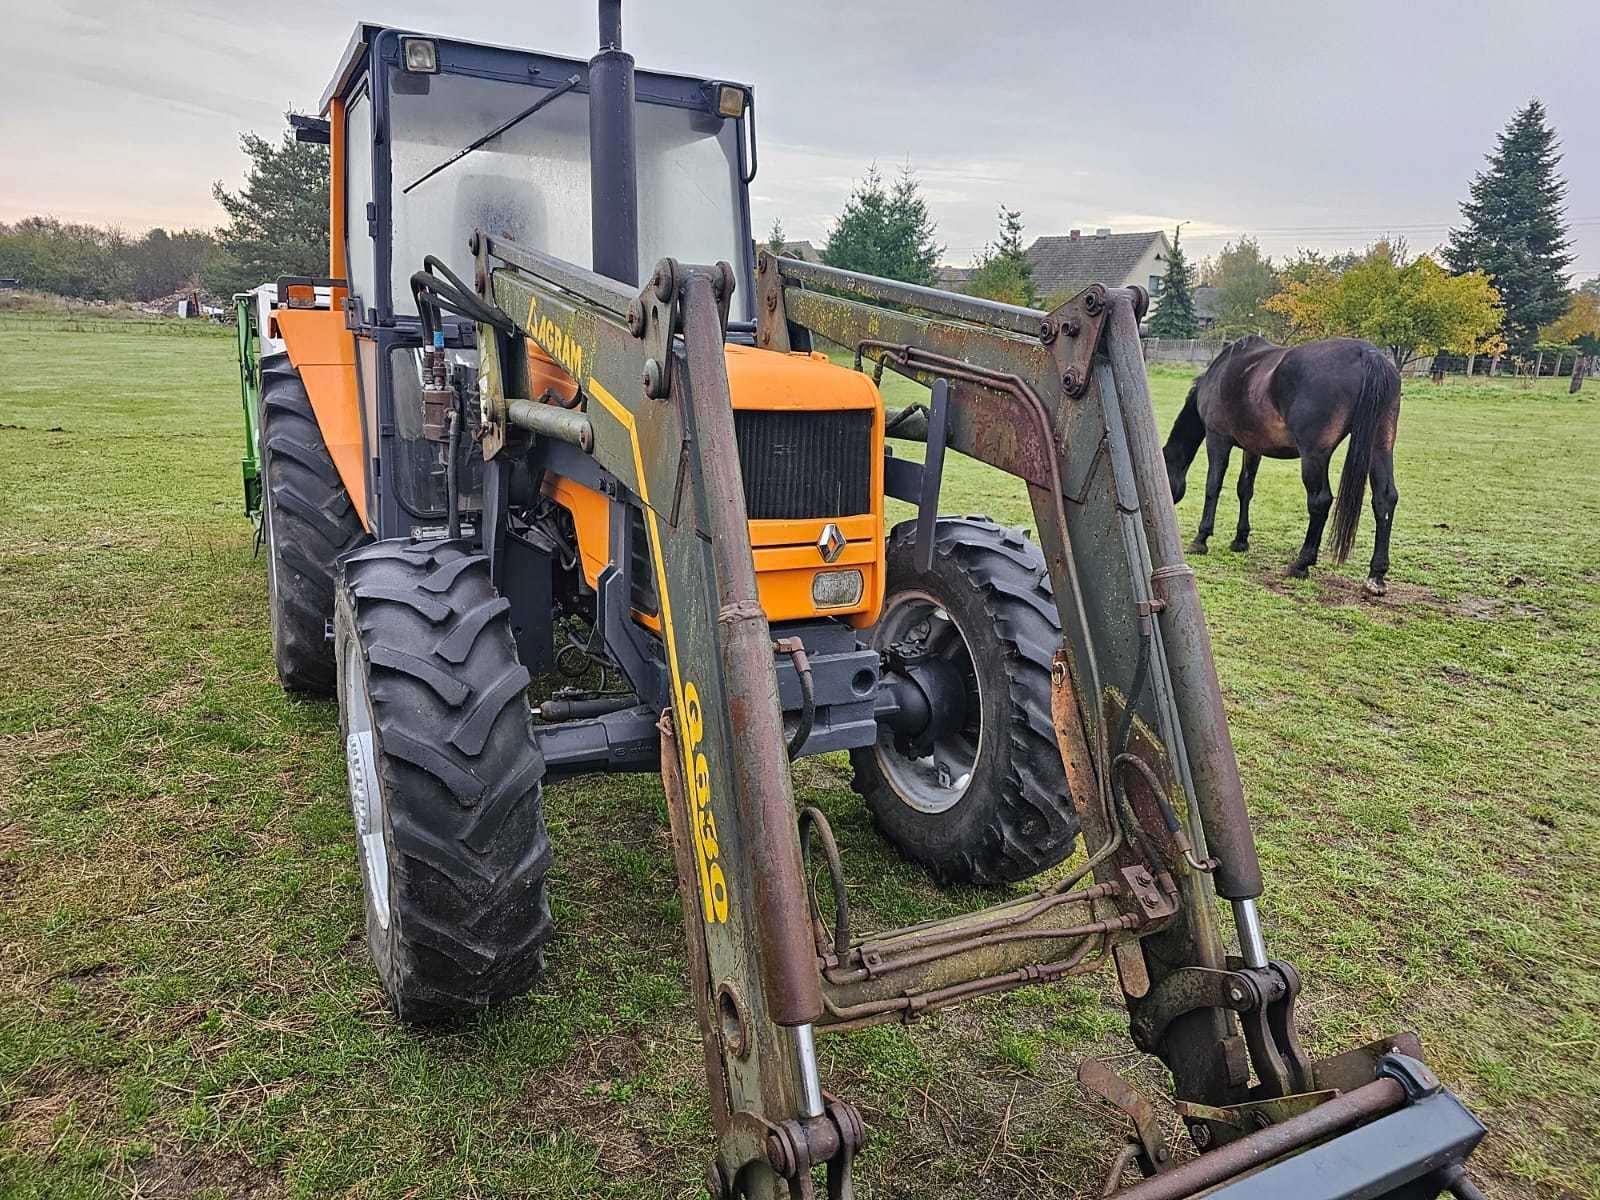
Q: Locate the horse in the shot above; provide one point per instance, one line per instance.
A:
(1296, 402)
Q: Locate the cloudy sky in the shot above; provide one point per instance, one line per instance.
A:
(1305, 124)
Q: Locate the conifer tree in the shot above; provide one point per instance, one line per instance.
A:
(1174, 316)
(1514, 227)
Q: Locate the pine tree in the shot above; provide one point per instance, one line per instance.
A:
(278, 222)
(776, 240)
(885, 231)
(1174, 316)
(1004, 272)
(1514, 229)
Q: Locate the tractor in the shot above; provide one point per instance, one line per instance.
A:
(555, 477)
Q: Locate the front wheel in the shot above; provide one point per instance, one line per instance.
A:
(445, 779)
(987, 801)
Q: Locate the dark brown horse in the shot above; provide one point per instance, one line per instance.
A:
(1296, 402)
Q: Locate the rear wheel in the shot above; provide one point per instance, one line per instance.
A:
(309, 522)
(445, 779)
(986, 801)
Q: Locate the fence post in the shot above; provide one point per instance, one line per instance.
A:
(1494, 366)
(1471, 358)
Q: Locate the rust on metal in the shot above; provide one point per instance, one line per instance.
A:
(1136, 786)
(694, 930)
(760, 765)
(1080, 321)
(1067, 716)
(1347, 1071)
(1257, 1149)
(772, 323)
(1100, 1079)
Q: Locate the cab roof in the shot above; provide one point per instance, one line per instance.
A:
(658, 86)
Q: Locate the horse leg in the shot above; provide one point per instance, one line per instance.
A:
(1219, 448)
(1319, 499)
(1247, 489)
(1385, 496)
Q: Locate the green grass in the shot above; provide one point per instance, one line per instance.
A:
(185, 1004)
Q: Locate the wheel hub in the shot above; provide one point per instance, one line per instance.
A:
(931, 771)
(366, 796)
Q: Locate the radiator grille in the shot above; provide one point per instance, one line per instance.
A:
(798, 465)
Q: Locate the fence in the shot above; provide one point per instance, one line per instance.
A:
(1198, 351)
(1547, 363)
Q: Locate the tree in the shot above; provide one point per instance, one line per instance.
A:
(1245, 280)
(1514, 229)
(1408, 308)
(1591, 287)
(1579, 326)
(278, 222)
(1003, 272)
(885, 231)
(1174, 315)
(48, 255)
(776, 240)
(162, 263)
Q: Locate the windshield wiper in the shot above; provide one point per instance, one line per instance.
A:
(559, 90)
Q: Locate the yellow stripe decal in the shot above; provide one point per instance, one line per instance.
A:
(689, 714)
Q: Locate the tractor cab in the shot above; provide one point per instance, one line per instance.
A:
(431, 138)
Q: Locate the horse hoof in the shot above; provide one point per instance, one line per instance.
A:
(1299, 572)
(1238, 546)
(1376, 587)
(1197, 547)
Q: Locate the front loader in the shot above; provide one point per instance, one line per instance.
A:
(556, 480)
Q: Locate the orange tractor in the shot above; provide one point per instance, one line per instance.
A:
(554, 481)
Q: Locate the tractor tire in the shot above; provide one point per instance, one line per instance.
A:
(309, 521)
(989, 804)
(445, 779)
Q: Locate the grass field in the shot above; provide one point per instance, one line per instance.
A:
(185, 1004)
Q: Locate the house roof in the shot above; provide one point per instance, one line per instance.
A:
(1064, 264)
(802, 250)
(1205, 302)
(953, 279)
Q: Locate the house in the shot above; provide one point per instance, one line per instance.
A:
(953, 279)
(1064, 266)
(1205, 306)
(803, 250)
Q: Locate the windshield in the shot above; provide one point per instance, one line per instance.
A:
(531, 183)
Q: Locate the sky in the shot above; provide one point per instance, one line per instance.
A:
(1305, 125)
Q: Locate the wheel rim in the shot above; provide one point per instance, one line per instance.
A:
(366, 797)
(934, 783)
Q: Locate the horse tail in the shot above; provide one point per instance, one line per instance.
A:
(1380, 390)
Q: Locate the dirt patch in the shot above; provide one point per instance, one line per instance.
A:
(1491, 608)
(57, 1101)
(177, 695)
(581, 1096)
(176, 1175)
(1339, 591)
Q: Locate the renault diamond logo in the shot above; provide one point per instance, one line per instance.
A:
(831, 544)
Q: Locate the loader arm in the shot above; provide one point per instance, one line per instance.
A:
(1060, 400)
(678, 457)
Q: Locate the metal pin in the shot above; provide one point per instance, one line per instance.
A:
(1252, 946)
(810, 1081)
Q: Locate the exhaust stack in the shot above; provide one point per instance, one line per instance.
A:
(613, 156)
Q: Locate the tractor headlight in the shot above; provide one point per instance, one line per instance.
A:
(836, 589)
(420, 55)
